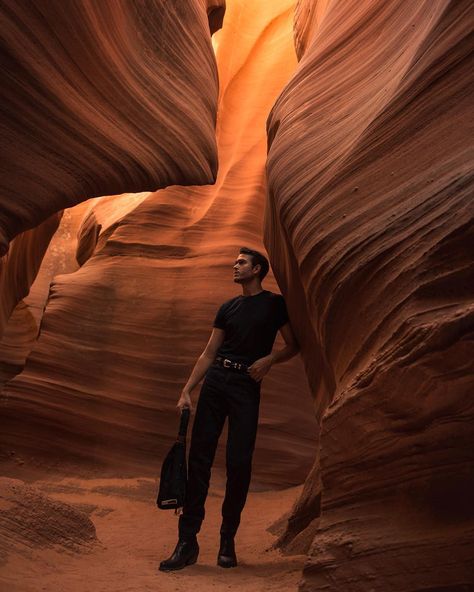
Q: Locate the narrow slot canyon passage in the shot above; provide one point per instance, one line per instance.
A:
(146, 143)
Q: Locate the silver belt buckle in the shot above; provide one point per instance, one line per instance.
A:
(227, 365)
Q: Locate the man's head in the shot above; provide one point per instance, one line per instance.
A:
(250, 264)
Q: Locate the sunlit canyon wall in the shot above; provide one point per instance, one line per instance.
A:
(370, 230)
(120, 334)
(98, 98)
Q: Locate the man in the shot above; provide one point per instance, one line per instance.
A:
(234, 362)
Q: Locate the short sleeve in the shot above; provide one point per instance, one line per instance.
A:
(281, 312)
(219, 321)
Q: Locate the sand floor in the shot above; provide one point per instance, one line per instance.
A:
(134, 536)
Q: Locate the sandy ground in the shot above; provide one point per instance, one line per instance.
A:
(134, 536)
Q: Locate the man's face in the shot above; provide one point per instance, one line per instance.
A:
(243, 269)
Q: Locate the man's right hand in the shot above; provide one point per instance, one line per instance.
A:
(184, 401)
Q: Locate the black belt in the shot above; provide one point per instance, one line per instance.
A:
(230, 365)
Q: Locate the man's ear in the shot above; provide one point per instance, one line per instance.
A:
(257, 267)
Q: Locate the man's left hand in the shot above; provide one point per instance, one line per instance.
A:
(260, 367)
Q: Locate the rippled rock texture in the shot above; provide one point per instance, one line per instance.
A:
(101, 98)
(120, 335)
(98, 98)
(19, 323)
(27, 271)
(31, 520)
(370, 227)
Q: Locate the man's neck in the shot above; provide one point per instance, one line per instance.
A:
(251, 289)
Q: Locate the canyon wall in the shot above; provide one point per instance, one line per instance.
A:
(98, 98)
(120, 334)
(101, 98)
(29, 276)
(18, 269)
(370, 230)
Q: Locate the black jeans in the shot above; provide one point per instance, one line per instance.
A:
(224, 393)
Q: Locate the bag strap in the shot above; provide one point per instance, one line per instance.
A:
(183, 424)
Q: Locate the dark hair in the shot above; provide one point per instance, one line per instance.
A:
(257, 259)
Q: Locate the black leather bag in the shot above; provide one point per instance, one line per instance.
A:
(174, 472)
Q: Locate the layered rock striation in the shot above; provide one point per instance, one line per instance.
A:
(370, 229)
(98, 98)
(102, 98)
(27, 272)
(19, 267)
(120, 335)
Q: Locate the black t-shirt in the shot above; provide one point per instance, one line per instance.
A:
(250, 324)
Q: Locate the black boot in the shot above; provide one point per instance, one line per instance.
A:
(185, 553)
(226, 556)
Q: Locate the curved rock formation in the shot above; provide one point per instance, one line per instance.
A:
(95, 102)
(17, 342)
(30, 278)
(101, 98)
(120, 335)
(370, 228)
(19, 267)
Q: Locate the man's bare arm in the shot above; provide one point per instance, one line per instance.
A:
(291, 348)
(200, 368)
(259, 368)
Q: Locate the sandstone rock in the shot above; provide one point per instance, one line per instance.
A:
(27, 272)
(380, 283)
(98, 98)
(120, 335)
(30, 520)
(101, 98)
(19, 267)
